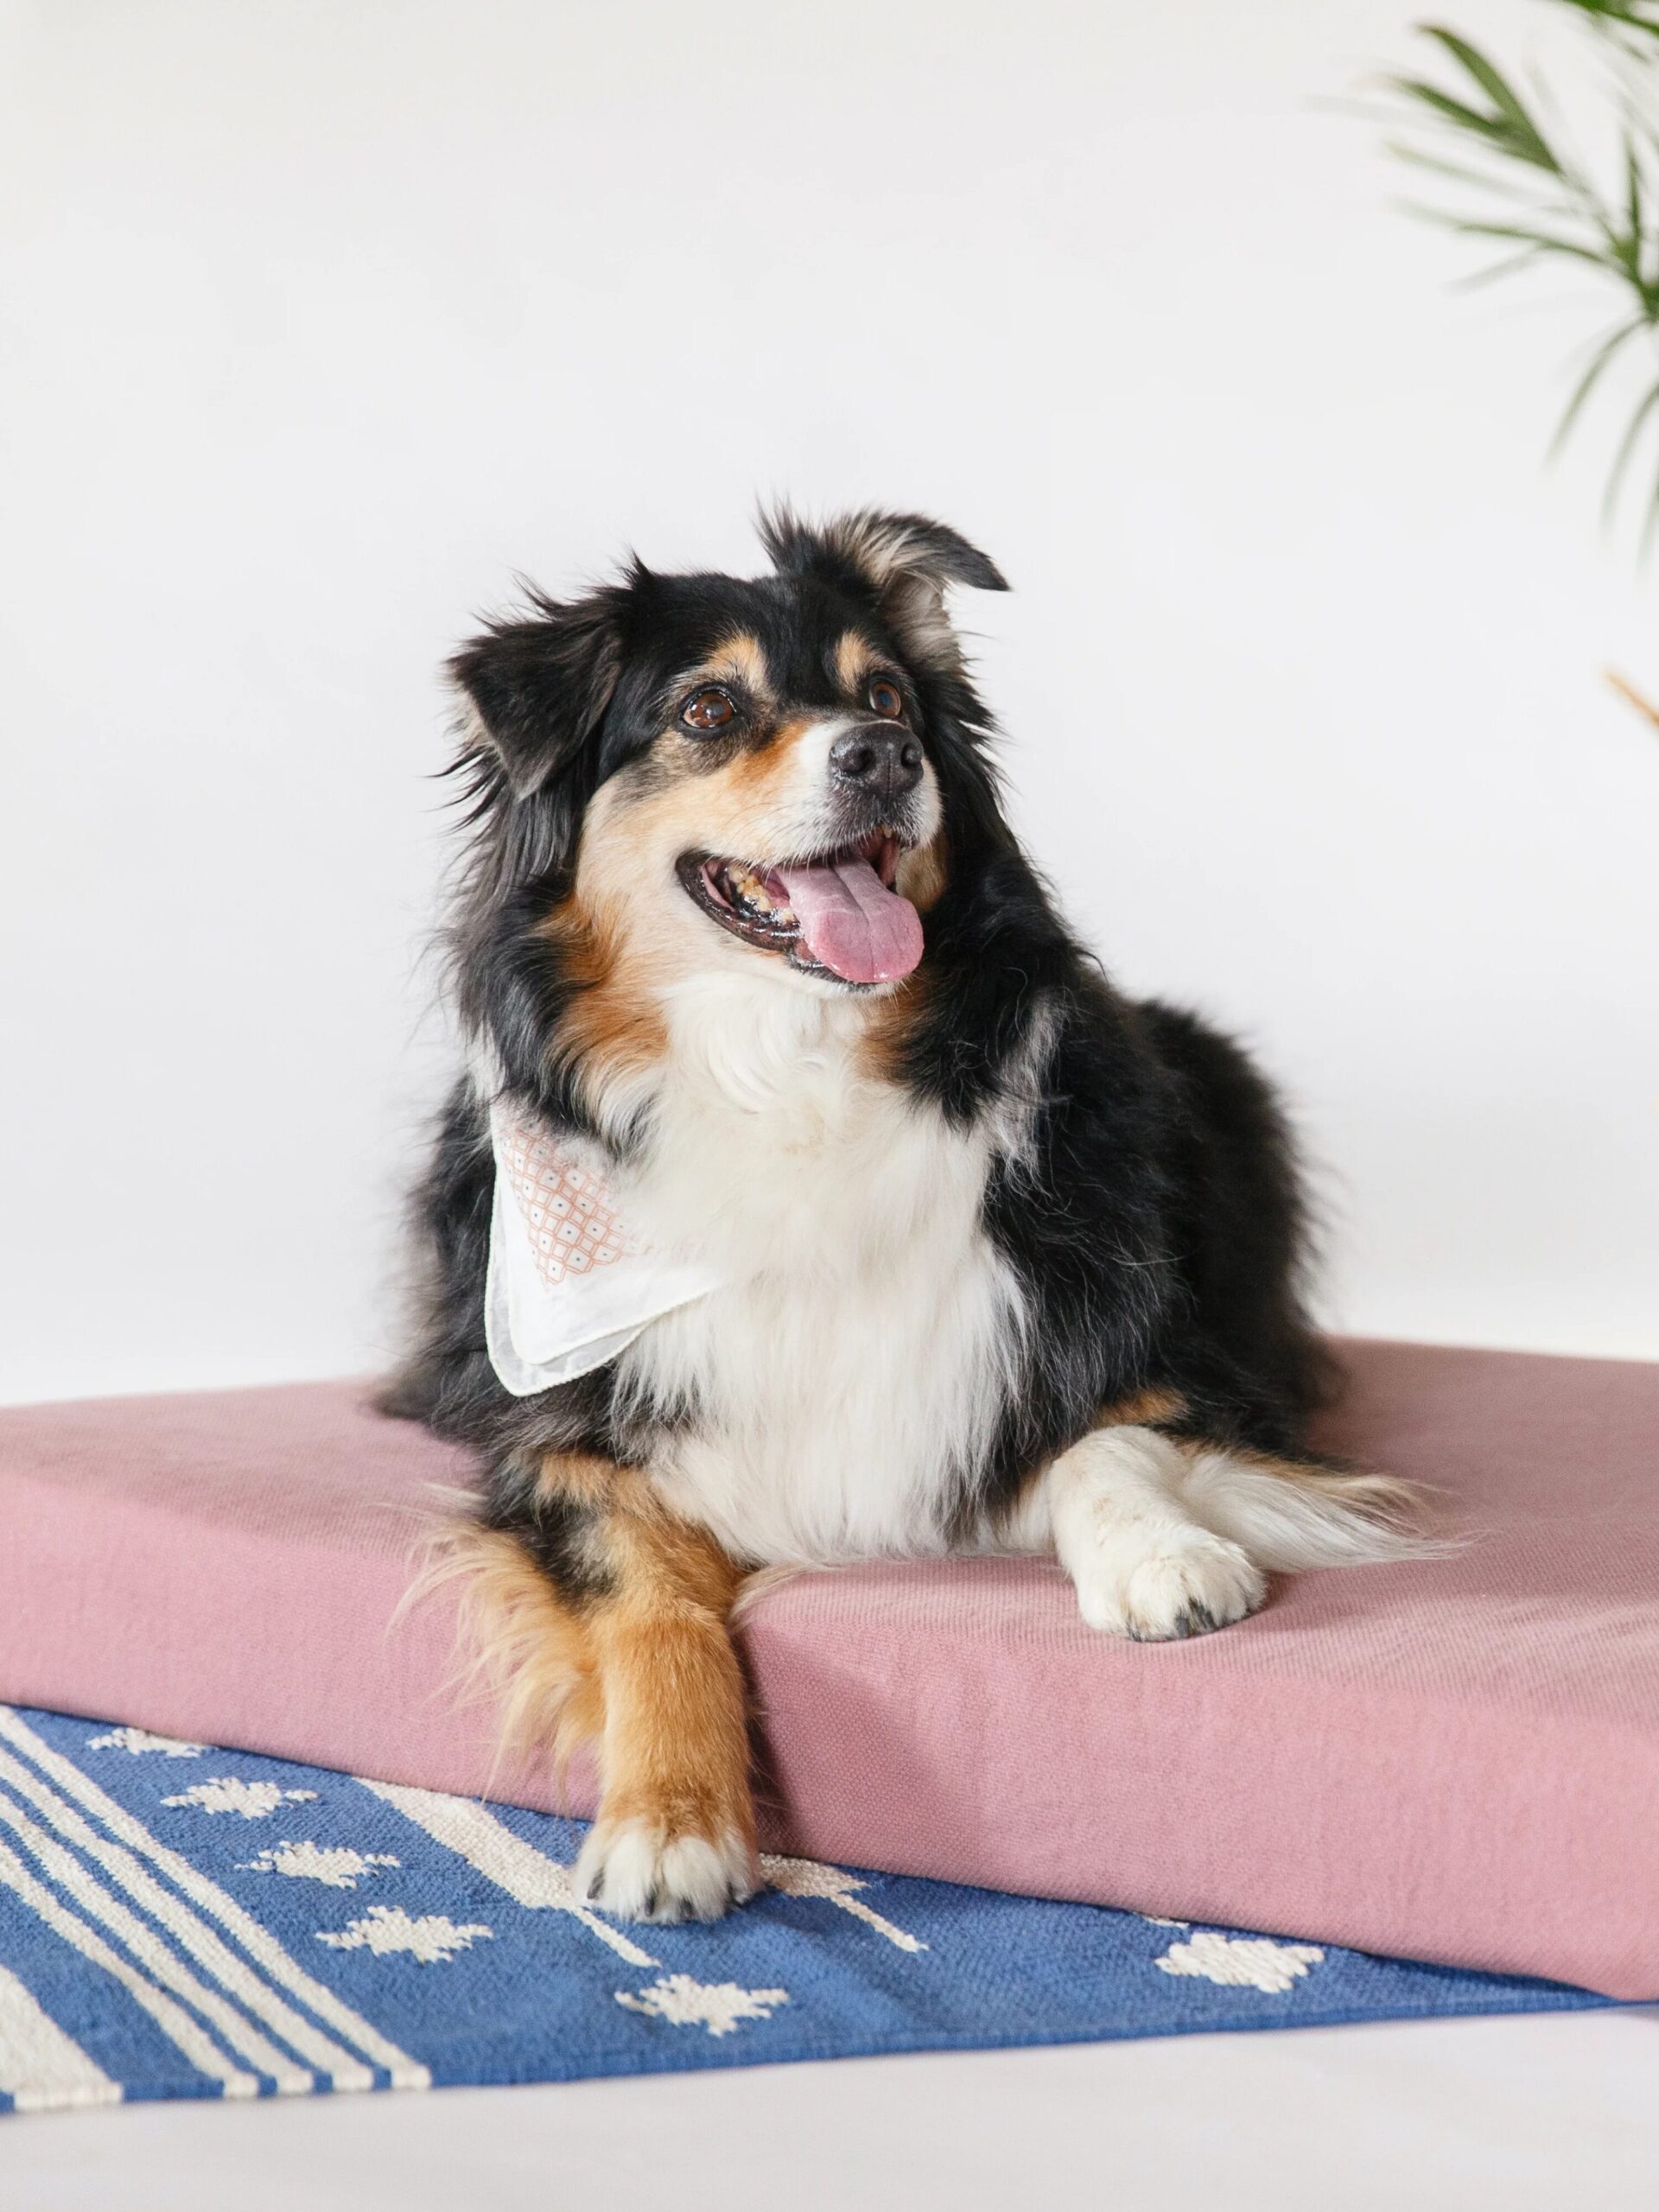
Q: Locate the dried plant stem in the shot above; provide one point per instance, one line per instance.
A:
(1628, 691)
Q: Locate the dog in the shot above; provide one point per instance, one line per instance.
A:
(933, 1242)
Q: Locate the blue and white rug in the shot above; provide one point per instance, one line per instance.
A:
(180, 1921)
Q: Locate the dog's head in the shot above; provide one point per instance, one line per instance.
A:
(714, 771)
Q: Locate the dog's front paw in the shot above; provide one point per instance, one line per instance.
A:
(643, 1869)
(1193, 1585)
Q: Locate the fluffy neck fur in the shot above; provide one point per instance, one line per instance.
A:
(845, 1384)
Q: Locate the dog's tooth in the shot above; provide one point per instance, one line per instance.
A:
(750, 890)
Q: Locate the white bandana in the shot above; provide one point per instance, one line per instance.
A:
(570, 1285)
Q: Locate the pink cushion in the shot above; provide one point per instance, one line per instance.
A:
(1456, 1762)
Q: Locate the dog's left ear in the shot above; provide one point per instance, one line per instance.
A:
(538, 686)
(904, 561)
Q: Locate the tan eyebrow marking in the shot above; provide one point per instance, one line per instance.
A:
(737, 659)
(854, 657)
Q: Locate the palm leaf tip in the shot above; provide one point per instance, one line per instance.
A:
(1507, 124)
(1627, 446)
(1588, 381)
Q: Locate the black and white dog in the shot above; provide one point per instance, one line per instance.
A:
(931, 1241)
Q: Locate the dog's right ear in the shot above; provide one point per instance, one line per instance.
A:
(538, 686)
(904, 561)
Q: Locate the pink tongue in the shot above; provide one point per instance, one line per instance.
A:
(852, 923)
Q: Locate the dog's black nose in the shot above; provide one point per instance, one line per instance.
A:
(887, 761)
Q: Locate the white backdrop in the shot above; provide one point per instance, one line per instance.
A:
(318, 321)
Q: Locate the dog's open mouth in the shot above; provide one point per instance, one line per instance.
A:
(835, 916)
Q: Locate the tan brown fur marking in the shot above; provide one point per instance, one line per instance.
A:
(676, 1746)
(856, 658)
(613, 1029)
(645, 1671)
(583, 1479)
(522, 1645)
(887, 1024)
(635, 833)
(738, 657)
(752, 771)
(921, 876)
(1141, 1409)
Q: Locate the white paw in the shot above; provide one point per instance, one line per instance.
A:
(643, 1870)
(1196, 1583)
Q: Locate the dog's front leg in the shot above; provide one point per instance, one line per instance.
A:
(1143, 1565)
(675, 1835)
(604, 1620)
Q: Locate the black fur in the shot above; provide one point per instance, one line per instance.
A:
(1153, 1215)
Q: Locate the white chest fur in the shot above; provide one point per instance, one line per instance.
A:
(854, 1366)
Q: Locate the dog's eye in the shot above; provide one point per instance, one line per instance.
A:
(708, 709)
(885, 699)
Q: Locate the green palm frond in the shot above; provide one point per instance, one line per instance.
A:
(1610, 15)
(1524, 188)
(1504, 126)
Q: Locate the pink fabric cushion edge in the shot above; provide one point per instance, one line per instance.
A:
(1458, 1761)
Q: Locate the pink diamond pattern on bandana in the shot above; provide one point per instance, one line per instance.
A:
(574, 1228)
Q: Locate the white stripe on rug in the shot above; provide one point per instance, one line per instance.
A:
(507, 1860)
(810, 1877)
(193, 1935)
(42, 2069)
(406, 2073)
(85, 1890)
(171, 2019)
